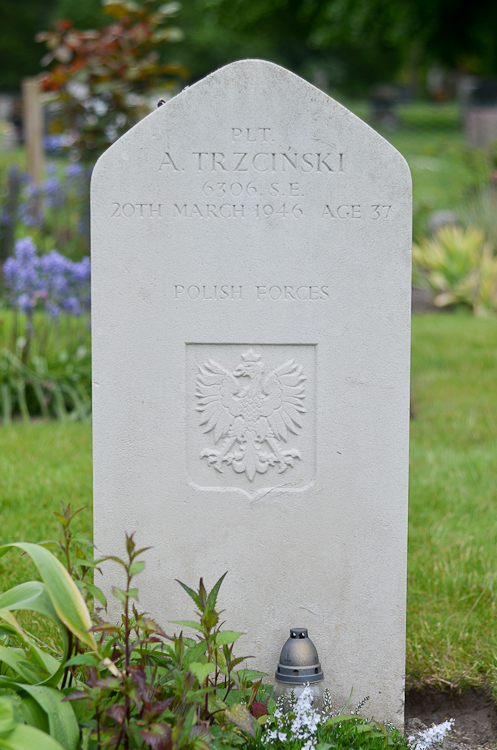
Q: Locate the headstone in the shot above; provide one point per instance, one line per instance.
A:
(480, 112)
(251, 312)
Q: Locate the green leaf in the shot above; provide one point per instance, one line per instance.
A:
(193, 594)
(348, 701)
(337, 719)
(63, 592)
(321, 745)
(216, 704)
(212, 598)
(61, 719)
(16, 660)
(43, 661)
(7, 722)
(248, 675)
(136, 567)
(194, 653)
(227, 636)
(187, 624)
(240, 715)
(120, 594)
(201, 671)
(34, 715)
(97, 593)
(88, 660)
(124, 595)
(31, 595)
(24, 737)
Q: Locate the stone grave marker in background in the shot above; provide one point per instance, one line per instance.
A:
(251, 311)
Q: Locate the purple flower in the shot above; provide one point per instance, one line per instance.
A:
(25, 250)
(74, 170)
(54, 192)
(25, 303)
(32, 190)
(52, 310)
(52, 280)
(82, 271)
(29, 215)
(55, 264)
(71, 305)
(21, 273)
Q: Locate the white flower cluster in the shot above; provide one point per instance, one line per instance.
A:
(433, 735)
(302, 727)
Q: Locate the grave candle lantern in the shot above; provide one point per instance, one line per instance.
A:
(299, 666)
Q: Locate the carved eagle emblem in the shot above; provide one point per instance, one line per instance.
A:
(251, 413)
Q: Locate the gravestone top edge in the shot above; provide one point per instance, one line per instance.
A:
(240, 65)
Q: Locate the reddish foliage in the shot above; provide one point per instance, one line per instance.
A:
(102, 78)
(259, 709)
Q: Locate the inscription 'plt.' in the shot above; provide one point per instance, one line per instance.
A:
(252, 412)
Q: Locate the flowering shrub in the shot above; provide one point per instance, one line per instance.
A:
(45, 364)
(101, 80)
(51, 282)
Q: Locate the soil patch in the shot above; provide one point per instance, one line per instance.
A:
(474, 712)
(422, 301)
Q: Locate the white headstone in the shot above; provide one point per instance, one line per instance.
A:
(251, 311)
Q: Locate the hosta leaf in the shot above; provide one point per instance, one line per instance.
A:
(34, 715)
(61, 719)
(16, 660)
(63, 592)
(7, 722)
(24, 737)
(31, 595)
(38, 658)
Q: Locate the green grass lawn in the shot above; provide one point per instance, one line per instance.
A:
(41, 464)
(452, 631)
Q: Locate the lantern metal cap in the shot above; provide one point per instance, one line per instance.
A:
(299, 660)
